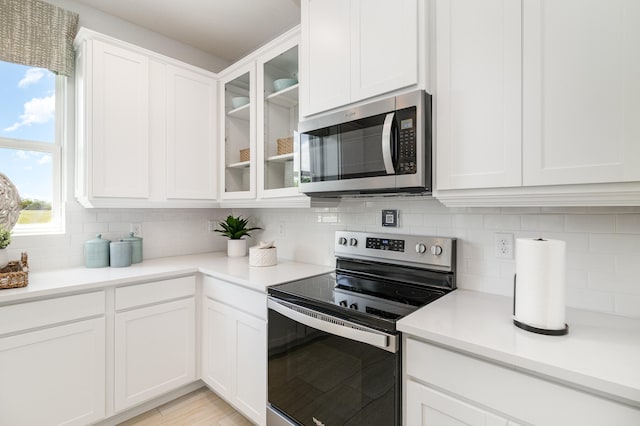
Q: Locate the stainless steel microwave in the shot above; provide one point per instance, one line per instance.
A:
(378, 148)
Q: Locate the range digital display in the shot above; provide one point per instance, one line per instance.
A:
(385, 244)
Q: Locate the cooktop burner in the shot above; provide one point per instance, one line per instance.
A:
(373, 285)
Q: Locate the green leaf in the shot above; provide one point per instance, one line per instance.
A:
(235, 228)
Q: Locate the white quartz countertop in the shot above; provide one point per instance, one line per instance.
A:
(601, 352)
(216, 264)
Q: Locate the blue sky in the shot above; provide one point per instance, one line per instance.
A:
(27, 107)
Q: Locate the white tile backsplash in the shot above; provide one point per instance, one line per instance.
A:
(603, 244)
(165, 232)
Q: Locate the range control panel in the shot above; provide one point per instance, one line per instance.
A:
(437, 253)
(385, 244)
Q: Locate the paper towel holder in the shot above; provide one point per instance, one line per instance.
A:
(530, 328)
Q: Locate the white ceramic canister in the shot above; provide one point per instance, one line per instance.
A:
(136, 247)
(96, 252)
(120, 252)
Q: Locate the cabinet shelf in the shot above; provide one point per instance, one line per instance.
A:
(280, 158)
(241, 112)
(239, 165)
(286, 97)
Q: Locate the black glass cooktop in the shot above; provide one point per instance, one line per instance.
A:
(365, 297)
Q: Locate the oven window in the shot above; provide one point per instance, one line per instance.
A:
(345, 151)
(318, 377)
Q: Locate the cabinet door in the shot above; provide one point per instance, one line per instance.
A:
(581, 91)
(154, 351)
(120, 122)
(238, 133)
(478, 102)
(234, 358)
(191, 148)
(384, 43)
(54, 376)
(427, 407)
(250, 392)
(325, 55)
(218, 324)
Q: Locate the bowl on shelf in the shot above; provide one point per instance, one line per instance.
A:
(283, 83)
(238, 101)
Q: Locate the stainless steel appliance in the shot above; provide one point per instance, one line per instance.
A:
(334, 350)
(381, 147)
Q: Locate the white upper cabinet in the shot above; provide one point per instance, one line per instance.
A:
(384, 46)
(478, 102)
(537, 102)
(191, 141)
(325, 54)
(238, 132)
(113, 120)
(357, 49)
(145, 127)
(581, 69)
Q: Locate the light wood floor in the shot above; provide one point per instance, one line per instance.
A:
(198, 408)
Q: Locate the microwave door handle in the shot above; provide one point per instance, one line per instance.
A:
(387, 155)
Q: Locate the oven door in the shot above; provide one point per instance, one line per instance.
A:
(358, 154)
(323, 370)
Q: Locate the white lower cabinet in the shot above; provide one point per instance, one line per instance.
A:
(154, 345)
(427, 407)
(55, 374)
(234, 345)
(445, 388)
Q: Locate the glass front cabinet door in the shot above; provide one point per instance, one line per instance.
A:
(277, 86)
(238, 133)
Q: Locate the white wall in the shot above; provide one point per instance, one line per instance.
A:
(123, 30)
(603, 244)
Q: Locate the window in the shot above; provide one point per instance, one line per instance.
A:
(30, 149)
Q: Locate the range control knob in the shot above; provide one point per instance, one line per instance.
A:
(353, 242)
(421, 248)
(436, 250)
(343, 303)
(354, 306)
(342, 241)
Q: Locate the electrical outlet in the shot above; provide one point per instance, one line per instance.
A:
(503, 244)
(136, 228)
(211, 225)
(282, 229)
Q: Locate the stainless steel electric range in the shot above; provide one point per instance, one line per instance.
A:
(334, 350)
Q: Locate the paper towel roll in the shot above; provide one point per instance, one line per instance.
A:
(539, 289)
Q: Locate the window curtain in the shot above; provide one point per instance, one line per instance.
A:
(37, 34)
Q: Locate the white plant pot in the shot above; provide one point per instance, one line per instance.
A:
(236, 248)
(4, 257)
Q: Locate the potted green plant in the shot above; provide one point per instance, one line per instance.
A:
(235, 228)
(5, 240)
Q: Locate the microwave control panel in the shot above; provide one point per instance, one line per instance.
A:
(406, 141)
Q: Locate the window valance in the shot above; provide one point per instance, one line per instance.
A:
(37, 34)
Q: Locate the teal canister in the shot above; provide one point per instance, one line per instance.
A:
(96, 252)
(120, 253)
(136, 247)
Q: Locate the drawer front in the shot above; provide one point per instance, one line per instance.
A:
(42, 313)
(154, 292)
(525, 397)
(249, 301)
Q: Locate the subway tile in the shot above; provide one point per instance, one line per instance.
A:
(108, 216)
(627, 305)
(554, 223)
(590, 223)
(590, 262)
(590, 299)
(502, 222)
(614, 243)
(628, 265)
(467, 221)
(628, 223)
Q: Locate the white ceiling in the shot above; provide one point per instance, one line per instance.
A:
(228, 29)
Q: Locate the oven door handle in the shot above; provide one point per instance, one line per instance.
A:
(387, 155)
(333, 325)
